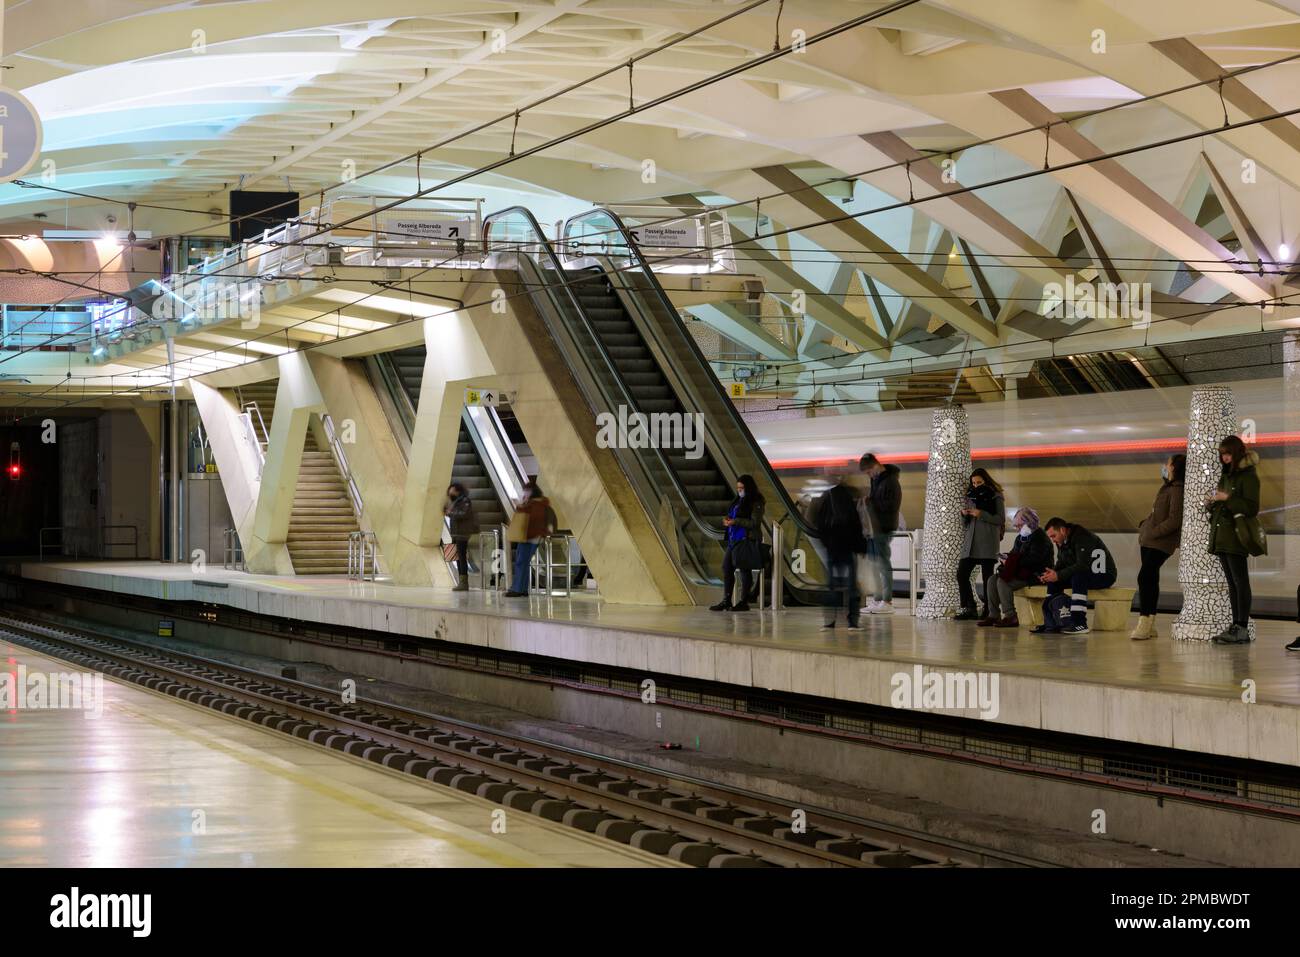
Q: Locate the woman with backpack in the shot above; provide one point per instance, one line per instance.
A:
(1237, 496)
(984, 518)
(1159, 535)
(743, 543)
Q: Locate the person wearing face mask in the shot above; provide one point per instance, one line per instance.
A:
(1159, 535)
(1237, 494)
(984, 518)
(1030, 556)
(744, 524)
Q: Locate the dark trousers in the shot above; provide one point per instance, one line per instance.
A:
(964, 568)
(844, 590)
(462, 559)
(1149, 579)
(1234, 569)
(1078, 586)
(729, 572)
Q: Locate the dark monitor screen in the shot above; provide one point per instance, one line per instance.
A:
(252, 213)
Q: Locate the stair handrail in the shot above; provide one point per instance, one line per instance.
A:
(544, 245)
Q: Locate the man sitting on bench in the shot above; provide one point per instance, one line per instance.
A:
(1082, 562)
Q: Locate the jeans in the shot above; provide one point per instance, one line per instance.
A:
(844, 590)
(999, 596)
(1149, 579)
(523, 558)
(879, 546)
(964, 568)
(1235, 570)
(729, 571)
(462, 560)
(1079, 584)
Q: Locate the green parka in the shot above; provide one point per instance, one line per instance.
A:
(1242, 486)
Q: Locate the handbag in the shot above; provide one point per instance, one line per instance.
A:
(518, 528)
(1009, 567)
(1251, 534)
(747, 554)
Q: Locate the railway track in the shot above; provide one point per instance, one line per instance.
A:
(692, 821)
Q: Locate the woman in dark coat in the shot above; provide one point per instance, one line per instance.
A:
(985, 518)
(744, 521)
(460, 519)
(1030, 556)
(1159, 535)
(1238, 494)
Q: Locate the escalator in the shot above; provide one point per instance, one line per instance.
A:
(401, 373)
(626, 345)
(703, 481)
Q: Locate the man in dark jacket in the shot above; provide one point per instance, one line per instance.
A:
(840, 527)
(1082, 562)
(885, 499)
(460, 519)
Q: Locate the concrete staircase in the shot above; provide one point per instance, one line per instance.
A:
(322, 516)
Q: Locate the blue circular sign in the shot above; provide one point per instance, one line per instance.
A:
(20, 135)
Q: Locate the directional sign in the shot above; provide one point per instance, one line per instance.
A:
(680, 235)
(427, 226)
(20, 135)
(482, 397)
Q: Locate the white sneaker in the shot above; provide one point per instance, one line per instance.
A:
(882, 608)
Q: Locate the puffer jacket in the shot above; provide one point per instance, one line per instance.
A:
(1163, 528)
(1033, 556)
(1242, 486)
(983, 533)
(1080, 552)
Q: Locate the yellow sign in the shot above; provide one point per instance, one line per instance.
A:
(736, 390)
(472, 397)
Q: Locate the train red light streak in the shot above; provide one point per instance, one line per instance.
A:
(1055, 450)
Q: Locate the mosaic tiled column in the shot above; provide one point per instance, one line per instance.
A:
(947, 478)
(1206, 607)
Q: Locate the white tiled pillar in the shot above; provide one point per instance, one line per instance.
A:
(947, 477)
(1206, 609)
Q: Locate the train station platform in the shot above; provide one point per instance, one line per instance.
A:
(150, 781)
(1163, 693)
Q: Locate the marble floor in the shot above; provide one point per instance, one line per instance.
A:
(154, 782)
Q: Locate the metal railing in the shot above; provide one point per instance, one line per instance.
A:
(42, 544)
(544, 565)
(490, 578)
(102, 540)
(232, 558)
(105, 544)
(345, 469)
(363, 556)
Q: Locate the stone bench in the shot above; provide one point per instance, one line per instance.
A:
(1111, 607)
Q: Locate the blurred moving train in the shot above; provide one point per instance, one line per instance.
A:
(1093, 460)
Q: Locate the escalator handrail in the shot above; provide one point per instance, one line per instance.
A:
(698, 520)
(736, 420)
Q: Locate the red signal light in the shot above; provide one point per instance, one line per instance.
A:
(15, 471)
